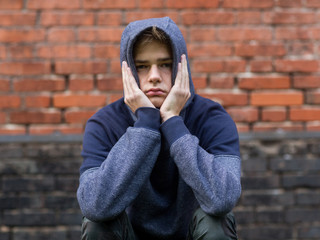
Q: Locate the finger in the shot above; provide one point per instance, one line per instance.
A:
(177, 82)
(185, 73)
(124, 77)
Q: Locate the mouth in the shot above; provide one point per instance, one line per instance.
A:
(155, 92)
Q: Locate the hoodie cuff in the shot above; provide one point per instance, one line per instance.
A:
(148, 117)
(173, 129)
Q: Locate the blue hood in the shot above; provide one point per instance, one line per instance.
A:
(178, 45)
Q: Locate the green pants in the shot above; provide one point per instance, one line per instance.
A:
(202, 227)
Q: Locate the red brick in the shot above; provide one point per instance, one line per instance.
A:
(261, 66)
(20, 52)
(305, 114)
(313, 97)
(109, 18)
(297, 65)
(53, 4)
(78, 116)
(244, 33)
(43, 116)
(106, 51)
(244, 114)
(114, 97)
(199, 81)
(274, 114)
(289, 18)
(51, 83)
(51, 129)
(11, 4)
(109, 83)
(264, 82)
(115, 66)
(66, 19)
(249, 17)
(242, 127)
(3, 117)
(192, 4)
(61, 35)
(312, 3)
(276, 98)
(293, 33)
(209, 66)
(271, 127)
(19, 35)
(81, 83)
(4, 85)
(10, 101)
(203, 34)
(217, 82)
(79, 100)
(248, 4)
(151, 4)
(100, 35)
(25, 68)
(74, 51)
(228, 98)
(306, 81)
(138, 15)
(252, 50)
(209, 50)
(3, 52)
(37, 101)
(76, 67)
(109, 4)
(17, 19)
(12, 130)
(289, 3)
(301, 49)
(207, 18)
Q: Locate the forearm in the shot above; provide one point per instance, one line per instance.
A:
(105, 191)
(215, 180)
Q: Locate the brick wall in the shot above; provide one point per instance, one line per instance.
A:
(280, 180)
(59, 60)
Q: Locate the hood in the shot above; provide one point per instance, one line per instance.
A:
(178, 45)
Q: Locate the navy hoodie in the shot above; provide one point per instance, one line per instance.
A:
(159, 173)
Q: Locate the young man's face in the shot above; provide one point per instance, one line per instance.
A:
(154, 67)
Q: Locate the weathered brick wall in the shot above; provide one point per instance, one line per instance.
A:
(280, 179)
(59, 60)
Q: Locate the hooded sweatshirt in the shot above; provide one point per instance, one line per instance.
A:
(159, 174)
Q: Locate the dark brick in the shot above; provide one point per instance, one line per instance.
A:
(18, 166)
(310, 181)
(39, 234)
(312, 232)
(267, 199)
(302, 215)
(254, 165)
(270, 216)
(265, 233)
(67, 183)
(244, 216)
(27, 218)
(14, 202)
(297, 165)
(28, 184)
(268, 182)
(309, 198)
(61, 202)
(70, 218)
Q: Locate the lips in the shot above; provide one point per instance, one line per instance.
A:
(155, 92)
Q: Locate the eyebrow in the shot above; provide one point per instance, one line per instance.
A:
(158, 60)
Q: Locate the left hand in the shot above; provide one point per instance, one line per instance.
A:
(179, 93)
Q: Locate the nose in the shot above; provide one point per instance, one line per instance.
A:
(154, 74)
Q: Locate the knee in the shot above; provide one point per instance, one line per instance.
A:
(205, 226)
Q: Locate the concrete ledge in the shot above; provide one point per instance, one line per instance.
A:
(59, 138)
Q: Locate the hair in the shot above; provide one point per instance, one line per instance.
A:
(149, 35)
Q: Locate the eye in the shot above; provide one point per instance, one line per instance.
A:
(141, 67)
(166, 65)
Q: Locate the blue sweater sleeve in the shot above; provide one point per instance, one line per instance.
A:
(105, 191)
(214, 179)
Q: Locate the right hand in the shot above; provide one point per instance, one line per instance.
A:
(133, 96)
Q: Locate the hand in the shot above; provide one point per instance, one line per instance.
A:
(179, 93)
(133, 96)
